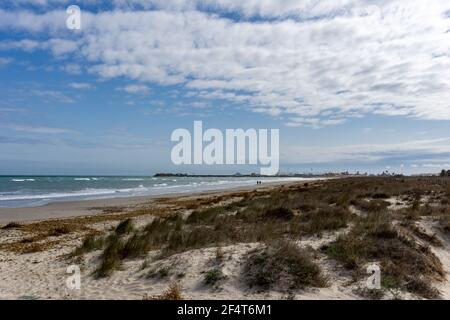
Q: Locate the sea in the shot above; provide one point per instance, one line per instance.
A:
(28, 191)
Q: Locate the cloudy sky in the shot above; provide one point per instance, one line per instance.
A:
(351, 84)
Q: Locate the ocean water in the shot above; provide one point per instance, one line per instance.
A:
(25, 191)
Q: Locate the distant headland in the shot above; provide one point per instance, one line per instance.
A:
(281, 175)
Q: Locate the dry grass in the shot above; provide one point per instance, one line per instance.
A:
(44, 231)
(282, 265)
(205, 216)
(124, 227)
(111, 257)
(278, 213)
(213, 277)
(298, 211)
(11, 225)
(444, 223)
(90, 243)
(160, 273)
(269, 216)
(374, 205)
(110, 209)
(422, 234)
(404, 264)
(326, 219)
(173, 292)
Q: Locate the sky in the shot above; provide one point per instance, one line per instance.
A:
(351, 84)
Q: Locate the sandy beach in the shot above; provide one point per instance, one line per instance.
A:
(201, 245)
(67, 209)
(42, 274)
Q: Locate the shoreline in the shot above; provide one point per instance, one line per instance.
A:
(182, 239)
(79, 208)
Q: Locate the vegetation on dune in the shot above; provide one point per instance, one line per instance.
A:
(173, 292)
(124, 227)
(375, 231)
(43, 230)
(281, 213)
(373, 205)
(422, 234)
(59, 231)
(160, 273)
(326, 219)
(445, 224)
(404, 264)
(11, 225)
(445, 173)
(111, 257)
(284, 265)
(298, 211)
(90, 243)
(213, 276)
(205, 216)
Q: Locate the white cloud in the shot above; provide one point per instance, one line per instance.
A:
(28, 21)
(72, 68)
(52, 95)
(35, 129)
(9, 110)
(199, 105)
(5, 60)
(250, 8)
(365, 152)
(316, 63)
(313, 122)
(80, 85)
(436, 165)
(135, 88)
(24, 44)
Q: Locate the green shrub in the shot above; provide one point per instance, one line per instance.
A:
(111, 258)
(280, 213)
(205, 216)
(11, 225)
(213, 276)
(124, 227)
(90, 243)
(402, 261)
(284, 264)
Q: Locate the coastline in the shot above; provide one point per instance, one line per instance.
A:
(294, 222)
(78, 208)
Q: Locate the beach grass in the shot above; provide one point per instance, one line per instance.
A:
(284, 265)
(295, 212)
(367, 219)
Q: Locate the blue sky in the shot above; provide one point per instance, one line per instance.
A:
(352, 85)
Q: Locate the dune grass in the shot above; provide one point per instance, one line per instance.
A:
(173, 292)
(282, 265)
(11, 225)
(404, 264)
(295, 212)
(213, 276)
(124, 227)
